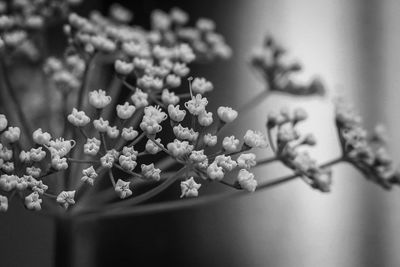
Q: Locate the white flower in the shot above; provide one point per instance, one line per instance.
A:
(22, 182)
(40, 137)
(225, 162)
(179, 148)
(60, 146)
(122, 67)
(201, 86)
(125, 111)
(196, 105)
(150, 83)
(255, 139)
(210, 140)
(205, 24)
(12, 134)
(3, 122)
(5, 153)
(179, 16)
(59, 163)
(24, 157)
(155, 113)
(184, 133)
(33, 171)
(128, 134)
(150, 126)
(160, 20)
(107, 160)
(246, 180)
(127, 162)
(102, 43)
(139, 98)
(190, 188)
(37, 154)
(99, 99)
(112, 132)
(180, 69)
(8, 167)
(185, 53)
(8, 182)
(175, 113)
(92, 146)
(173, 81)
(286, 133)
(101, 125)
(150, 172)
(299, 115)
(152, 148)
(122, 189)
(33, 202)
(246, 160)
(215, 172)
(169, 98)
(78, 118)
(3, 203)
(89, 175)
(230, 144)
(38, 186)
(120, 13)
(227, 114)
(205, 118)
(66, 198)
(198, 156)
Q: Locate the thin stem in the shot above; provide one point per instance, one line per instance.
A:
(271, 139)
(267, 161)
(85, 80)
(82, 131)
(137, 139)
(112, 179)
(14, 98)
(159, 145)
(80, 161)
(134, 174)
(149, 194)
(194, 202)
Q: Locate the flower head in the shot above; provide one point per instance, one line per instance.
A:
(122, 189)
(99, 99)
(66, 198)
(246, 180)
(190, 188)
(33, 202)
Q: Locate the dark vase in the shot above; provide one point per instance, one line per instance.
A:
(205, 235)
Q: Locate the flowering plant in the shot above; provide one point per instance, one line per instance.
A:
(148, 129)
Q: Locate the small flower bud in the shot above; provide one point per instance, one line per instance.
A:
(122, 189)
(99, 99)
(227, 114)
(190, 188)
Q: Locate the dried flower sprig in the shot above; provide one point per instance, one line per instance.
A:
(161, 133)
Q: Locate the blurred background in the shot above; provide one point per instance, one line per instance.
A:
(354, 47)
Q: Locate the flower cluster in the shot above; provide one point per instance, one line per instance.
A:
(21, 20)
(279, 71)
(367, 152)
(145, 130)
(288, 148)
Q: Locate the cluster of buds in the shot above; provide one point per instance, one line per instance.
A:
(367, 152)
(288, 148)
(279, 71)
(20, 20)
